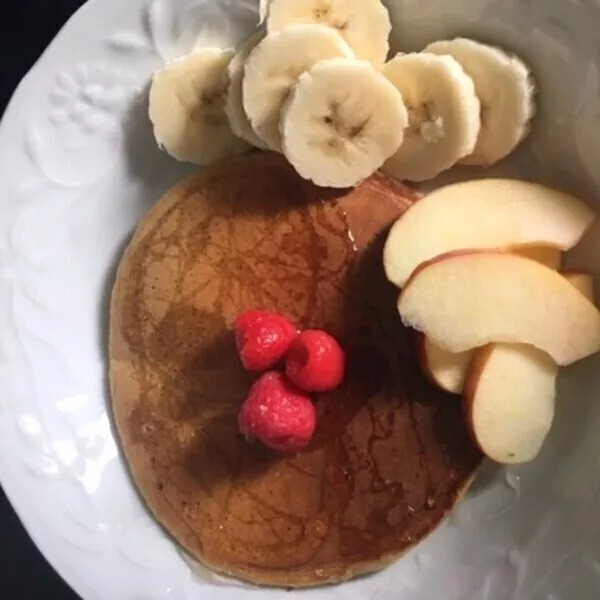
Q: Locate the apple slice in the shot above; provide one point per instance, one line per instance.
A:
(510, 395)
(466, 300)
(448, 370)
(582, 281)
(551, 257)
(487, 214)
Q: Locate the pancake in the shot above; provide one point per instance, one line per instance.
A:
(391, 455)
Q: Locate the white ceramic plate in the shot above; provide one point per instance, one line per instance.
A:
(79, 168)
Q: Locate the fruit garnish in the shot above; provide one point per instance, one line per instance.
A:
(187, 108)
(234, 102)
(448, 369)
(483, 214)
(315, 362)
(316, 86)
(341, 122)
(364, 25)
(506, 90)
(509, 400)
(469, 299)
(510, 394)
(273, 69)
(278, 414)
(444, 115)
(262, 338)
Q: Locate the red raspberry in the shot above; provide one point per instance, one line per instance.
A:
(262, 338)
(277, 413)
(315, 362)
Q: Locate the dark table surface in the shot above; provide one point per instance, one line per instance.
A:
(26, 28)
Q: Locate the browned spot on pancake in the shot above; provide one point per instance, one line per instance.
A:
(391, 454)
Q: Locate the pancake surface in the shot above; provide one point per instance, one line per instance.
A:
(391, 454)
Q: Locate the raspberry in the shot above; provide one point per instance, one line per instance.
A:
(277, 413)
(315, 362)
(262, 338)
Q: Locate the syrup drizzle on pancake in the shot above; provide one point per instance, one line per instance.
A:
(391, 454)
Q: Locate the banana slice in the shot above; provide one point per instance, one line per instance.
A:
(364, 24)
(263, 11)
(234, 104)
(443, 115)
(187, 108)
(506, 91)
(341, 122)
(274, 67)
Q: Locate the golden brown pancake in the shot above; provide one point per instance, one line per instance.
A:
(391, 455)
